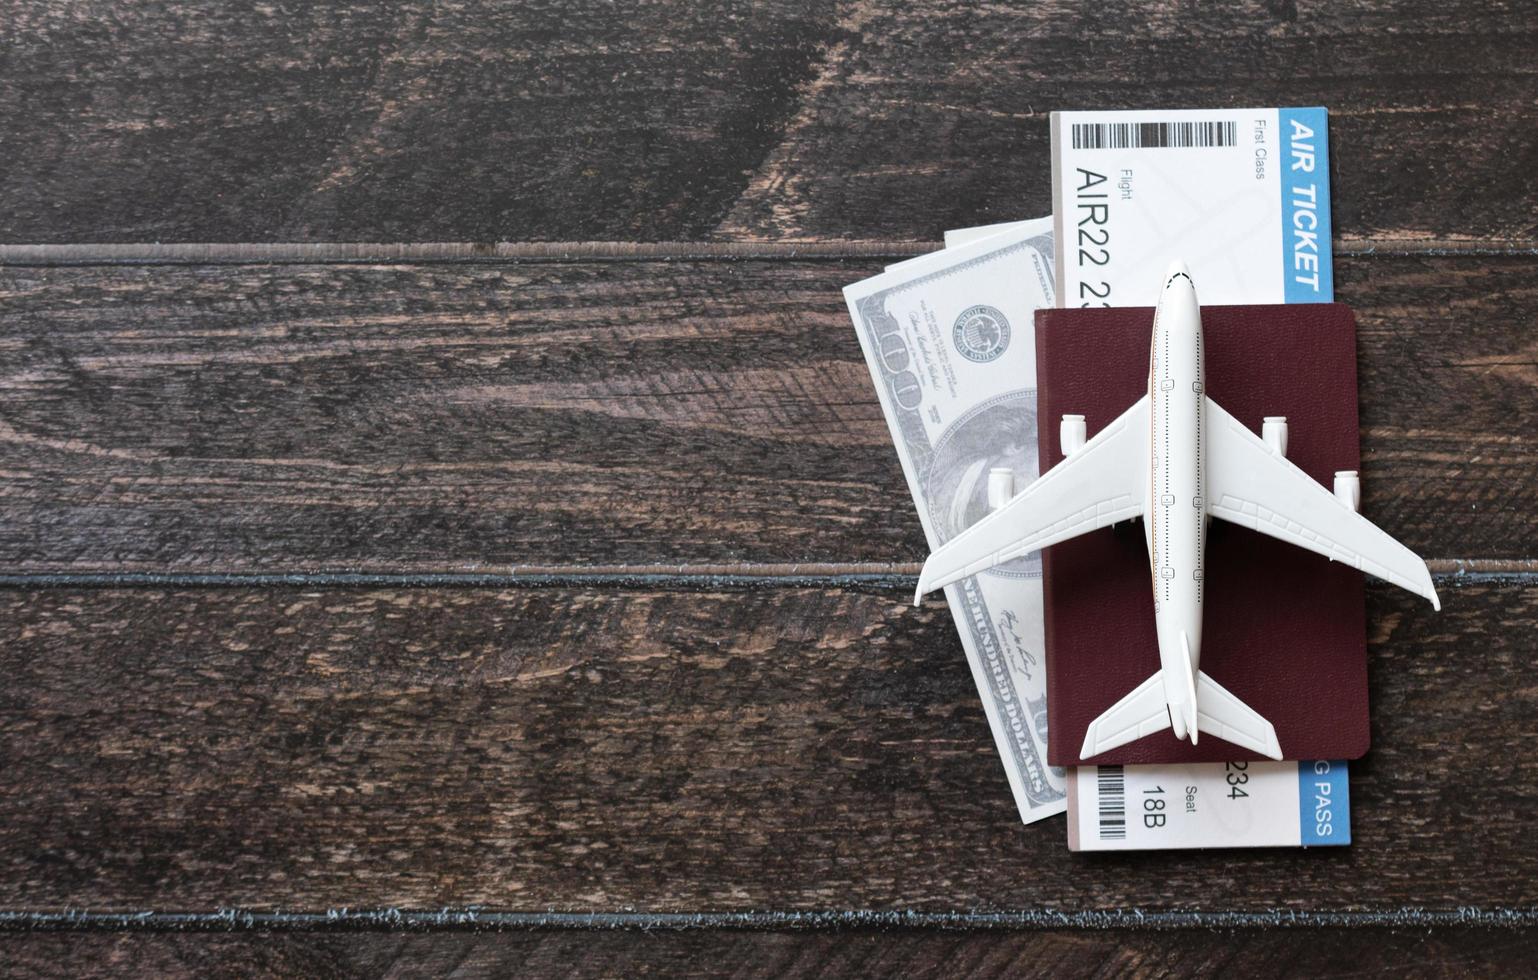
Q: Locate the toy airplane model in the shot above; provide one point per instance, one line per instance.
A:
(1177, 459)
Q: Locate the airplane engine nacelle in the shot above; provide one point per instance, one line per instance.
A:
(1274, 431)
(1001, 487)
(1072, 434)
(1348, 488)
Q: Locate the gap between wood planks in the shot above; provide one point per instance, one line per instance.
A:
(324, 253)
(896, 576)
(477, 920)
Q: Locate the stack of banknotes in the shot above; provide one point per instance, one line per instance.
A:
(1241, 195)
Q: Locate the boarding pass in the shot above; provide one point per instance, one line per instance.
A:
(1208, 804)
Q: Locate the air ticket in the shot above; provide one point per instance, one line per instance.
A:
(1242, 196)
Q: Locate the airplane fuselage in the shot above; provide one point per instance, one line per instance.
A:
(1175, 521)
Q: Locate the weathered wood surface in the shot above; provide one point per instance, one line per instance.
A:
(464, 418)
(576, 121)
(615, 744)
(944, 956)
(601, 750)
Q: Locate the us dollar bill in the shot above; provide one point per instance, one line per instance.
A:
(950, 342)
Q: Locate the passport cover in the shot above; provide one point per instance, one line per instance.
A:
(1284, 629)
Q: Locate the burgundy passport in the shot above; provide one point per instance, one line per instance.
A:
(1284, 628)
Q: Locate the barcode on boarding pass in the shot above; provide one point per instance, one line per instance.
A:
(1129, 135)
(1111, 782)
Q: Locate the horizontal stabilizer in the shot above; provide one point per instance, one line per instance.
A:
(1140, 713)
(1145, 711)
(1220, 714)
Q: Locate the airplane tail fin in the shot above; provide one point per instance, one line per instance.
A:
(1192, 722)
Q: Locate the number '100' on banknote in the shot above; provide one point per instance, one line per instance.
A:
(950, 342)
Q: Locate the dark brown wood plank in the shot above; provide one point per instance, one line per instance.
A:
(406, 122)
(580, 750)
(934, 116)
(543, 121)
(1291, 952)
(470, 418)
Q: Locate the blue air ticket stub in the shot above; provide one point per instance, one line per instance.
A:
(1209, 804)
(1242, 196)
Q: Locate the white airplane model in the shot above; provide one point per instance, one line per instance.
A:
(1178, 459)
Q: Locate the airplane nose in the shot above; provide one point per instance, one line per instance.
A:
(1177, 268)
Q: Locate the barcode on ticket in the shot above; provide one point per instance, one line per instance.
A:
(1130, 135)
(1112, 783)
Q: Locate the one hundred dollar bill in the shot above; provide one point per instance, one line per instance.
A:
(964, 236)
(950, 342)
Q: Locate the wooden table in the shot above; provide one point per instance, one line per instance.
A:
(447, 524)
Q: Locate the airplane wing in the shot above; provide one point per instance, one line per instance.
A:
(1097, 486)
(1248, 484)
(1142, 712)
(1220, 714)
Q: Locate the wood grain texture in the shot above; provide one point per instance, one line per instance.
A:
(1311, 953)
(484, 121)
(406, 122)
(449, 418)
(594, 750)
(932, 116)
